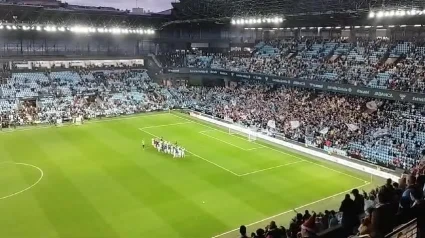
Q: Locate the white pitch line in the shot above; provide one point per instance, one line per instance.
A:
(200, 157)
(28, 188)
(164, 125)
(274, 167)
(280, 151)
(215, 138)
(256, 148)
(289, 211)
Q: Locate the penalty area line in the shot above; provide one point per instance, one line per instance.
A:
(164, 125)
(292, 210)
(274, 167)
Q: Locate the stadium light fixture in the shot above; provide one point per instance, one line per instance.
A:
(380, 14)
(391, 26)
(356, 27)
(337, 27)
(371, 14)
(1, 27)
(233, 22)
(402, 26)
(418, 25)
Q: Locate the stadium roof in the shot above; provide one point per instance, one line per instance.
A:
(201, 9)
(62, 13)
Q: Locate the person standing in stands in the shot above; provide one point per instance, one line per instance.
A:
(349, 215)
(358, 201)
(418, 210)
(384, 215)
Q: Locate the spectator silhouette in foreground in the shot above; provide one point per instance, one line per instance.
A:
(242, 230)
(384, 215)
(349, 215)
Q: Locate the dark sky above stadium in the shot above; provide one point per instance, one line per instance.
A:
(153, 5)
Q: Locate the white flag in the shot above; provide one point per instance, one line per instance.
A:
(352, 127)
(295, 124)
(381, 132)
(324, 131)
(271, 124)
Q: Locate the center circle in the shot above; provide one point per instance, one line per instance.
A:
(13, 180)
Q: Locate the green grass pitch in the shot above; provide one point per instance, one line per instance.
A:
(95, 180)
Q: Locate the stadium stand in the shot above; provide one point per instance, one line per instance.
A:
(388, 134)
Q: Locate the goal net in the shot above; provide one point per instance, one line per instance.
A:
(249, 135)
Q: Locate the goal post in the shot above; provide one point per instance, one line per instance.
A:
(248, 134)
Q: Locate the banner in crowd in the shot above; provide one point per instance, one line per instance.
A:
(311, 84)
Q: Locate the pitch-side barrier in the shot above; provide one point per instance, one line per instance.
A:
(341, 161)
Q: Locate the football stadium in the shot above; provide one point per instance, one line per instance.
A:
(212, 119)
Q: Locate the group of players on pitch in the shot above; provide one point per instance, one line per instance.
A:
(168, 148)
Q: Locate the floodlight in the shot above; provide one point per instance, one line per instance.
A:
(242, 21)
(258, 20)
(380, 14)
(1, 27)
(61, 29)
(391, 26)
(392, 13)
(417, 25)
(402, 13)
(280, 19)
(233, 22)
(14, 28)
(337, 27)
(371, 14)
(356, 27)
(387, 13)
(414, 12)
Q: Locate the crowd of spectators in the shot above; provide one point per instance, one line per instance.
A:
(33, 98)
(373, 63)
(387, 133)
(373, 214)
